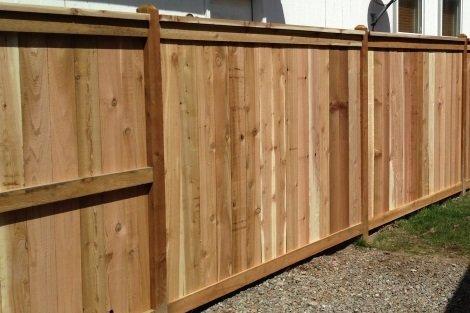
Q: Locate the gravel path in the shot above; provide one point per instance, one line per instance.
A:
(360, 280)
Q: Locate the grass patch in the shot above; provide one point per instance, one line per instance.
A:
(438, 229)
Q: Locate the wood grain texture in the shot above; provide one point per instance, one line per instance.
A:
(418, 112)
(120, 66)
(61, 75)
(14, 260)
(260, 146)
(255, 134)
(339, 140)
(94, 285)
(59, 148)
(37, 154)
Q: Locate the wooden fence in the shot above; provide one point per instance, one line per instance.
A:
(415, 98)
(73, 152)
(271, 152)
(159, 162)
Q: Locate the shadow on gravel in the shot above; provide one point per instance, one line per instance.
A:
(460, 301)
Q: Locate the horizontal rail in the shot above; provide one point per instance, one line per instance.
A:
(42, 9)
(414, 205)
(14, 18)
(237, 37)
(415, 45)
(466, 184)
(170, 19)
(248, 276)
(21, 26)
(44, 194)
(403, 36)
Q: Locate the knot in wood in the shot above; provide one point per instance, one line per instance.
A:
(338, 105)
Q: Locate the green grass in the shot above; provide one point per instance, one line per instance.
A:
(442, 229)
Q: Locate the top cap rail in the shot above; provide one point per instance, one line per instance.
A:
(40, 9)
(254, 25)
(408, 36)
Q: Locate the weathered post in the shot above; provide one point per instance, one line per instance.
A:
(155, 159)
(364, 132)
(463, 137)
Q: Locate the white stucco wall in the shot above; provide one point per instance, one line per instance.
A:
(466, 17)
(323, 13)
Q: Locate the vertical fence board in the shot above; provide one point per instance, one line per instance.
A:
(303, 147)
(354, 132)
(172, 129)
(223, 165)
(279, 144)
(339, 140)
(206, 106)
(268, 179)
(60, 63)
(321, 139)
(292, 116)
(14, 268)
(38, 170)
(94, 285)
(253, 158)
(236, 65)
(190, 166)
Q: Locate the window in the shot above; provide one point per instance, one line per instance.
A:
(450, 19)
(409, 16)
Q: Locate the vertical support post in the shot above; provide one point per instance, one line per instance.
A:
(463, 136)
(155, 159)
(364, 85)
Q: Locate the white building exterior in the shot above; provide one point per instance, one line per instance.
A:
(323, 13)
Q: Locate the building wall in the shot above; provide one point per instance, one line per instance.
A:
(323, 13)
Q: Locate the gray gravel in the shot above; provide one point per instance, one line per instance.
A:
(360, 280)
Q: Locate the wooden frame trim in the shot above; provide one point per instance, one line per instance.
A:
(14, 18)
(463, 136)
(374, 35)
(416, 46)
(169, 21)
(32, 196)
(466, 185)
(251, 275)
(156, 159)
(364, 117)
(414, 206)
(41, 9)
(249, 37)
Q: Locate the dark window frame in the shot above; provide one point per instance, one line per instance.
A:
(409, 23)
(450, 25)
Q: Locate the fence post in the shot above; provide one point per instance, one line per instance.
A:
(463, 135)
(364, 85)
(155, 158)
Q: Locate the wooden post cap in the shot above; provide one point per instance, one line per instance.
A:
(361, 27)
(146, 8)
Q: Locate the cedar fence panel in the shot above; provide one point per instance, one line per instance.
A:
(415, 99)
(160, 162)
(263, 148)
(72, 130)
(263, 154)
